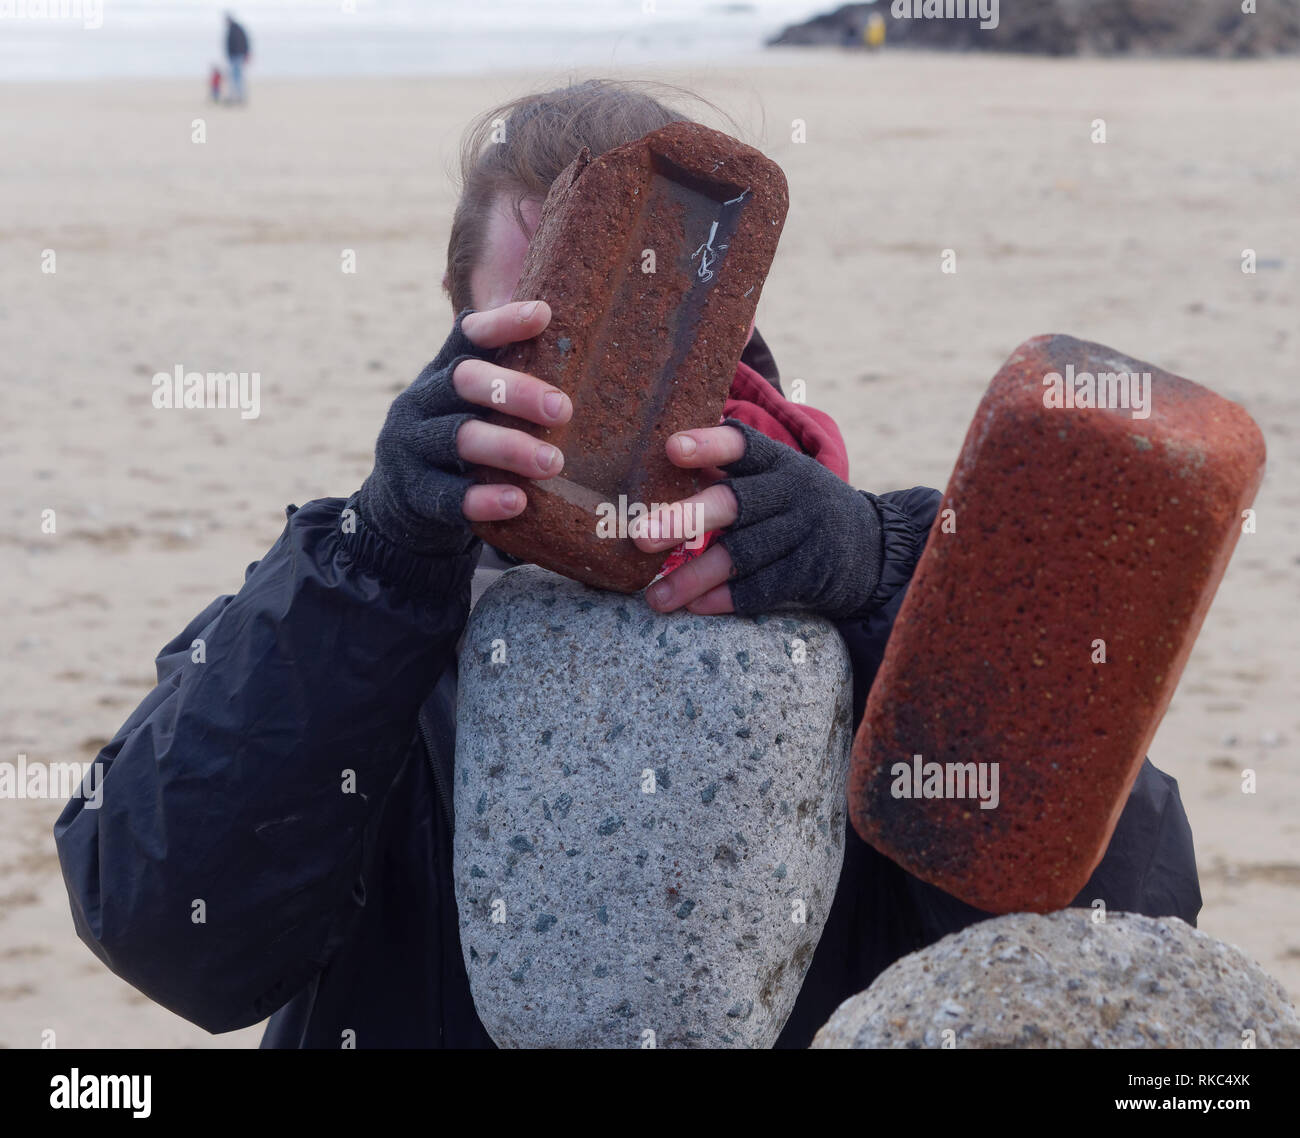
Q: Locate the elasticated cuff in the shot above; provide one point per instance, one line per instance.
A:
(395, 566)
(900, 545)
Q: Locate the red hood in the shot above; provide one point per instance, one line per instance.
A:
(757, 403)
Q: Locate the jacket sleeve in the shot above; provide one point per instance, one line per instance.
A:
(223, 863)
(905, 520)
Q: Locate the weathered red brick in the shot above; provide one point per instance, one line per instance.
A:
(641, 354)
(1071, 526)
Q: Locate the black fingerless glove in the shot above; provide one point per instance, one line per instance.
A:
(415, 494)
(804, 538)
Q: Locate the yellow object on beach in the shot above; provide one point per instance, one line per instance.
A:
(873, 35)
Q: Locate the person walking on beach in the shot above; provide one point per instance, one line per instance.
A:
(237, 51)
(334, 914)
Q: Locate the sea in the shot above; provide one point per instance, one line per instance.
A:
(99, 39)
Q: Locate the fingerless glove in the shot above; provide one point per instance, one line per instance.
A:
(415, 495)
(804, 538)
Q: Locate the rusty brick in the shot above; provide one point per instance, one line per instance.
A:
(1070, 525)
(641, 354)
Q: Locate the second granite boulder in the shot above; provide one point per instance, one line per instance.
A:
(1069, 980)
(649, 815)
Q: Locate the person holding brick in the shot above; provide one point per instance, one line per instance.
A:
(334, 914)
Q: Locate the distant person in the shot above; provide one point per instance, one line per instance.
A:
(874, 34)
(238, 53)
(214, 83)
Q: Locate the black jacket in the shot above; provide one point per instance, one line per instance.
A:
(236, 41)
(336, 911)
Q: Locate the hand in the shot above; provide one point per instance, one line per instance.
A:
(418, 496)
(795, 535)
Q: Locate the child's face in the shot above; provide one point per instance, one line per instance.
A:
(492, 282)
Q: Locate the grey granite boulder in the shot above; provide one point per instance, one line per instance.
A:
(1065, 980)
(650, 815)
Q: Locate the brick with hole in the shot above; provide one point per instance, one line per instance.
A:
(652, 258)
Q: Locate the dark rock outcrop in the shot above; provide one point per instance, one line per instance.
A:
(1073, 27)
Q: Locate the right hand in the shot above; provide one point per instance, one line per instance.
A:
(417, 496)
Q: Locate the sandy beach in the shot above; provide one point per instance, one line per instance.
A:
(227, 255)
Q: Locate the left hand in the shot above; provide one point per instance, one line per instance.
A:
(796, 535)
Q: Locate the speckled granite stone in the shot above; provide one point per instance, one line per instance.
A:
(1063, 980)
(627, 918)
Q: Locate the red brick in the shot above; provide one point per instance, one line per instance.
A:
(1071, 525)
(642, 355)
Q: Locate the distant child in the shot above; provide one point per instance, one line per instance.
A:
(214, 83)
